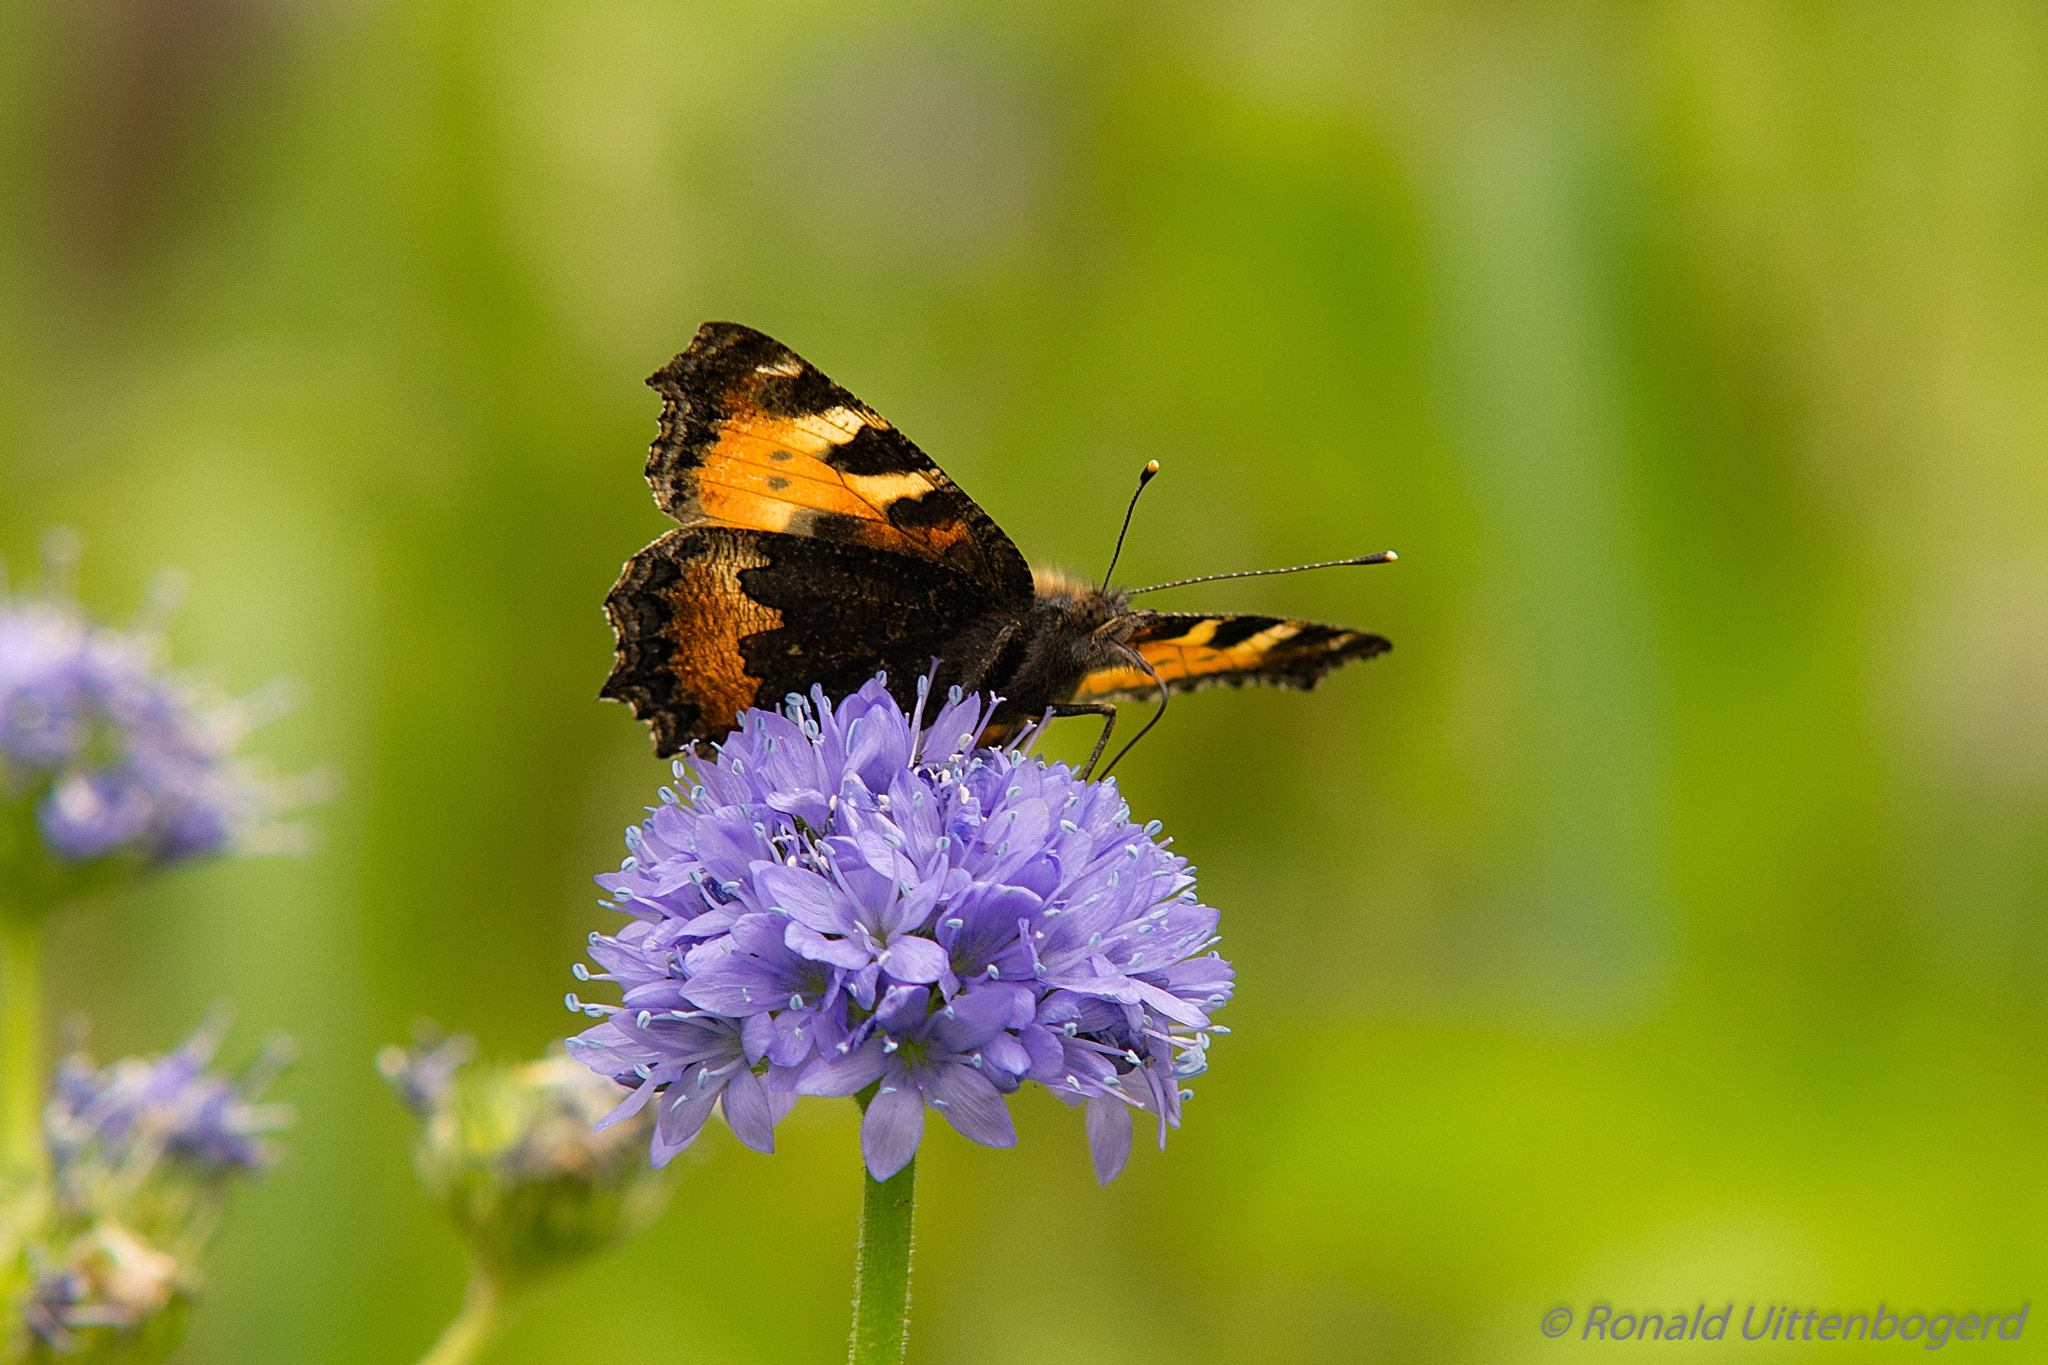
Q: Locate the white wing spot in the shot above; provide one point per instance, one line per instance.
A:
(1272, 635)
(881, 489)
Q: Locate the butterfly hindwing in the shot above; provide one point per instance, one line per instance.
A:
(714, 619)
(754, 437)
(1193, 650)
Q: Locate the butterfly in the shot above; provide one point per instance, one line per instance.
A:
(817, 546)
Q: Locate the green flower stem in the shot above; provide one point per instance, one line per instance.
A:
(482, 1317)
(21, 1044)
(881, 1272)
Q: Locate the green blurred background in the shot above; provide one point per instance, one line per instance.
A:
(1660, 922)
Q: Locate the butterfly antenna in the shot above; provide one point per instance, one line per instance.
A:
(1144, 477)
(1383, 557)
(1165, 696)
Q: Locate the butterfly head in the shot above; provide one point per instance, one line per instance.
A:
(1097, 622)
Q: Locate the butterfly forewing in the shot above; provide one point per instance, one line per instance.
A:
(753, 436)
(819, 546)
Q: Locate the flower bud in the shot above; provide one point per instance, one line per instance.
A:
(110, 1297)
(510, 1152)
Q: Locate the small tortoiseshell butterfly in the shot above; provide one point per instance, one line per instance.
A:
(818, 545)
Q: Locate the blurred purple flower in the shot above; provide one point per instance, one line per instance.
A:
(139, 1111)
(424, 1076)
(142, 1155)
(846, 897)
(108, 754)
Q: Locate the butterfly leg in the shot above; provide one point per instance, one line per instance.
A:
(1090, 708)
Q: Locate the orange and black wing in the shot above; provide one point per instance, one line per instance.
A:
(712, 620)
(1191, 650)
(753, 436)
(818, 546)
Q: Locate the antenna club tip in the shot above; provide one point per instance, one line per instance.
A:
(1391, 556)
(1151, 468)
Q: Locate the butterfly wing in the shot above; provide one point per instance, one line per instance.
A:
(1193, 650)
(753, 436)
(714, 619)
(818, 546)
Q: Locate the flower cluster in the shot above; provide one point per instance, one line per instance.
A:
(509, 1152)
(142, 1153)
(846, 898)
(104, 755)
(128, 1117)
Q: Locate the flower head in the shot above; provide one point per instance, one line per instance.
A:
(105, 758)
(128, 1118)
(846, 897)
(510, 1152)
(142, 1153)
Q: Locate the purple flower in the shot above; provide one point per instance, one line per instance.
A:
(693, 1060)
(142, 1155)
(424, 1076)
(844, 898)
(106, 755)
(141, 1111)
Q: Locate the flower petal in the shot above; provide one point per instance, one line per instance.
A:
(745, 1106)
(977, 1015)
(1109, 1135)
(833, 1076)
(892, 1127)
(1006, 1053)
(968, 1102)
(835, 952)
(804, 896)
(917, 960)
(903, 1008)
(679, 1119)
